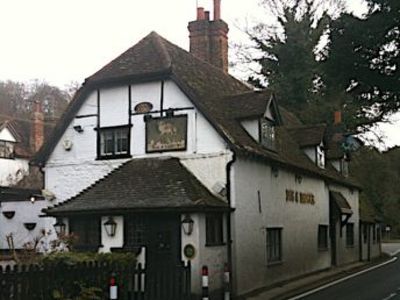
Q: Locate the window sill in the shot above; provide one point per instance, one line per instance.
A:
(114, 157)
(275, 263)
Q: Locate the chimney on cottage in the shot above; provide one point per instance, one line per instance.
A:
(209, 38)
(37, 128)
(337, 117)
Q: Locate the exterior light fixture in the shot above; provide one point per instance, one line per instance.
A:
(32, 199)
(78, 128)
(169, 113)
(187, 225)
(60, 227)
(111, 226)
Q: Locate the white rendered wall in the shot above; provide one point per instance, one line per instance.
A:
(311, 153)
(12, 170)
(69, 172)
(252, 127)
(214, 257)
(347, 254)
(116, 241)
(299, 223)
(5, 135)
(25, 212)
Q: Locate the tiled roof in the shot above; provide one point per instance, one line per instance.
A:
(308, 135)
(221, 98)
(143, 184)
(341, 202)
(8, 194)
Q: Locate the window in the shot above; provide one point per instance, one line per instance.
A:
(87, 231)
(214, 230)
(114, 142)
(378, 234)
(365, 232)
(323, 237)
(374, 237)
(135, 231)
(6, 149)
(267, 133)
(274, 245)
(320, 157)
(349, 234)
(344, 165)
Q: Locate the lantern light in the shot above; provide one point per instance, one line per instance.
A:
(111, 226)
(187, 225)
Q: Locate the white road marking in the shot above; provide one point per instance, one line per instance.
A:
(395, 252)
(342, 279)
(390, 296)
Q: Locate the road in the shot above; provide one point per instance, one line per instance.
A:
(379, 284)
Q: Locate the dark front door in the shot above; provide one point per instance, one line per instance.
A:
(164, 241)
(163, 270)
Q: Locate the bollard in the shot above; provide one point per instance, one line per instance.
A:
(113, 288)
(204, 283)
(227, 293)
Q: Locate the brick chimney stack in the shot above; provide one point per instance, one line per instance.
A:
(209, 38)
(337, 117)
(37, 129)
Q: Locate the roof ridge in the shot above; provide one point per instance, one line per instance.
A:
(158, 42)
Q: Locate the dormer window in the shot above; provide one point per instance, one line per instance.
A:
(6, 149)
(320, 156)
(344, 166)
(267, 133)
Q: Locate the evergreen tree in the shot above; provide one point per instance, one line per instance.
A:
(361, 66)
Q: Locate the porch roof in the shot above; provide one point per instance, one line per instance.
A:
(143, 184)
(341, 203)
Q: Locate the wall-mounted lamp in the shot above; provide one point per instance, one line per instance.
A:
(275, 171)
(60, 227)
(187, 224)
(298, 178)
(32, 198)
(78, 128)
(147, 117)
(169, 113)
(111, 226)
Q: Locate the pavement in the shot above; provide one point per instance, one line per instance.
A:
(291, 289)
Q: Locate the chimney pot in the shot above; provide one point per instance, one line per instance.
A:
(200, 13)
(217, 10)
(337, 117)
(207, 15)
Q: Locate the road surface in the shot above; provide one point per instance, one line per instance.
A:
(379, 284)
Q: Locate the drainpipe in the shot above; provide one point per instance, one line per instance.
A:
(229, 236)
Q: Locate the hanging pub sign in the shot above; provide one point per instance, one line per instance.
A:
(166, 134)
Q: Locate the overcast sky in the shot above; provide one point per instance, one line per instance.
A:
(60, 41)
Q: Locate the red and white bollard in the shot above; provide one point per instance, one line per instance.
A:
(113, 288)
(204, 283)
(227, 288)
